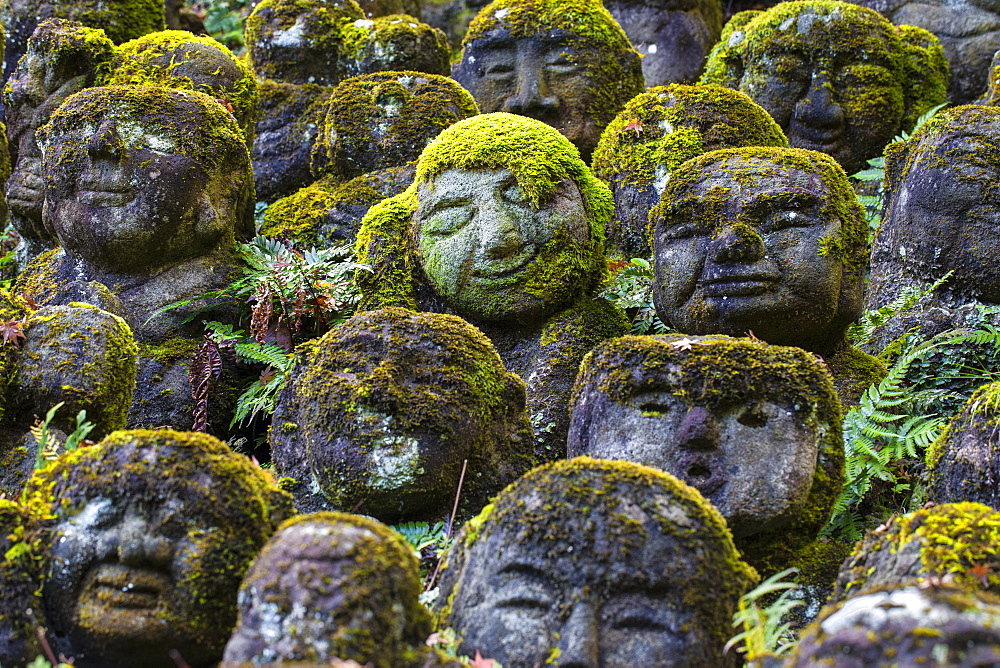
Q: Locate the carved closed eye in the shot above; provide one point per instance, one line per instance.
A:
(447, 217)
(682, 231)
(500, 71)
(561, 65)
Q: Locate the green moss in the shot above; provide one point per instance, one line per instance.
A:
(121, 20)
(179, 59)
(402, 42)
(171, 350)
(954, 538)
(597, 44)
(925, 68)
(678, 122)
(981, 413)
(854, 371)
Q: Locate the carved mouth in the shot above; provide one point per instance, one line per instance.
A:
(499, 270)
(119, 586)
(702, 473)
(824, 140)
(736, 284)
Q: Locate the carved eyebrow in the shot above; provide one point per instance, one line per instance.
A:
(763, 201)
(493, 40)
(525, 570)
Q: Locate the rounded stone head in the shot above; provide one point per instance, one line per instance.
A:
(656, 132)
(179, 59)
(567, 64)
(504, 222)
(907, 626)
(22, 558)
(754, 428)
(384, 409)
(381, 120)
(152, 534)
(768, 241)
(832, 74)
(595, 563)
(301, 42)
(941, 208)
(142, 177)
(331, 585)
(62, 58)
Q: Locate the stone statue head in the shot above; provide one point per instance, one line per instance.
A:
(656, 132)
(331, 585)
(595, 563)
(381, 120)
(768, 241)
(385, 408)
(62, 58)
(179, 59)
(503, 223)
(755, 428)
(835, 76)
(22, 559)
(942, 203)
(142, 177)
(301, 43)
(907, 626)
(571, 67)
(153, 532)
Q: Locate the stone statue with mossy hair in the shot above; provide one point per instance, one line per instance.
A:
(23, 551)
(769, 243)
(754, 427)
(62, 57)
(146, 188)
(332, 586)
(504, 226)
(566, 63)
(382, 411)
(939, 217)
(673, 36)
(657, 131)
(299, 51)
(376, 126)
(938, 626)
(837, 78)
(152, 534)
(963, 464)
(595, 563)
(950, 543)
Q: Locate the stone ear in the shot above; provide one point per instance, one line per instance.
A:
(514, 393)
(897, 154)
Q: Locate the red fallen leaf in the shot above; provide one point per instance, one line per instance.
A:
(636, 125)
(615, 265)
(982, 572)
(480, 662)
(226, 103)
(267, 375)
(29, 301)
(11, 331)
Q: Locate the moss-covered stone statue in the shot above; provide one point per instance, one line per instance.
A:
(381, 412)
(939, 216)
(963, 464)
(178, 59)
(937, 626)
(332, 585)
(153, 532)
(76, 355)
(755, 428)
(566, 63)
(300, 50)
(22, 560)
(969, 33)
(62, 58)
(592, 562)
(376, 126)
(838, 78)
(672, 36)
(121, 20)
(504, 226)
(146, 189)
(765, 241)
(954, 543)
(656, 132)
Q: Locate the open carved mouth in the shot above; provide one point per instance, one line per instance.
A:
(119, 586)
(105, 197)
(702, 473)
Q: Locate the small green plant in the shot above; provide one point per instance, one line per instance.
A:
(48, 447)
(224, 20)
(630, 288)
(860, 333)
(42, 662)
(429, 542)
(764, 631)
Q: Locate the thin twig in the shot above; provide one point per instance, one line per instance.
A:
(451, 525)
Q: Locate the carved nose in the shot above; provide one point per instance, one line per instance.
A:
(819, 109)
(532, 96)
(699, 430)
(500, 234)
(578, 642)
(106, 142)
(738, 242)
(138, 545)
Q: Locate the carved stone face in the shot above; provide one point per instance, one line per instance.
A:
(539, 77)
(754, 462)
(481, 242)
(607, 583)
(942, 215)
(744, 248)
(845, 100)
